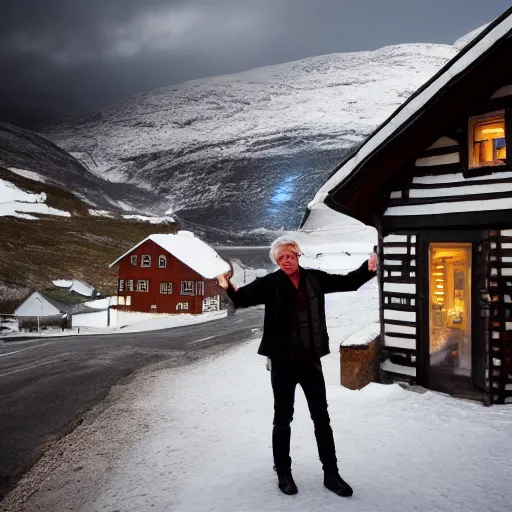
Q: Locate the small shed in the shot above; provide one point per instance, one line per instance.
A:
(170, 273)
(39, 310)
(435, 180)
(40, 305)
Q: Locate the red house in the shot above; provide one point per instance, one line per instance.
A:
(170, 274)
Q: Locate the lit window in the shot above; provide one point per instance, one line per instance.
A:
(187, 287)
(121, 285)
(145, 260)
(166, 288)
(162, 261)
(128, 300)
(142, 285)
(133, 260)
(200, 288)
(488, 144)
(129, 285)
(120, 301)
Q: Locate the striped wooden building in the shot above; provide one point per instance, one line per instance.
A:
(435, 179)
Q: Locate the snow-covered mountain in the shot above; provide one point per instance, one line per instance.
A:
(247, 151)
(28, 154)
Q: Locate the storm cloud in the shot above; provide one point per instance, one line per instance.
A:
(64, 56)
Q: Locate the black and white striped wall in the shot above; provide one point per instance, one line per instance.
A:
(399, 304)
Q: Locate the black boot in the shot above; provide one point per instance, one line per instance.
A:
(336, 484)
(286, 482)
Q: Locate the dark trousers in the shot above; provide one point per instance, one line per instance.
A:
(285, 377)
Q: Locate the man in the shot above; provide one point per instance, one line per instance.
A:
(294, 339)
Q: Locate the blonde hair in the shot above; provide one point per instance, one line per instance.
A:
(279, 244)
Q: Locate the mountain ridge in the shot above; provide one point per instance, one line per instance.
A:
(245, 152)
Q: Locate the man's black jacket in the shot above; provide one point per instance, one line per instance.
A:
(277, 292)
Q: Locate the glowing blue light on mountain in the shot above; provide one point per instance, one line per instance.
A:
(284, 191)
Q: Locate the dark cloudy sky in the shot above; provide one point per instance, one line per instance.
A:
(69, 55)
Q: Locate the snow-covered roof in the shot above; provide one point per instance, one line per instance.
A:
(75, 285)
(189, 249)
(475, 49)
(63, 283)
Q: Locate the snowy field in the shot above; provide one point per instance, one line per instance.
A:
(200, 440)
(15, 202)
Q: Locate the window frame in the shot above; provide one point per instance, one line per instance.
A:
(142, 263)
(139, 288)
(130, 287)
(133, 260)
(189, 289)
(121, 285)
(169, 286)
(473, 122)
(164, 258)
(200, 288)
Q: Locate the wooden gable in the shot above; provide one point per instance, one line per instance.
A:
(365, 192)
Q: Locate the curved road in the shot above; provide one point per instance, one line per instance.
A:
(47, 384)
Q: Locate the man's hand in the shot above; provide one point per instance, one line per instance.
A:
(223, 280)
(372, 263)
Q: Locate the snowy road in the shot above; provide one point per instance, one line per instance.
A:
(46, 385)
(198, 439)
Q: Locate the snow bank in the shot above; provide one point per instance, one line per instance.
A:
(15, 202)
(31, 175)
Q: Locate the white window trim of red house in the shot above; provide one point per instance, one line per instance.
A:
(187, 288)
(133, 260)
(146, 263)
(146, 284)
(166, 288)
(162, 261)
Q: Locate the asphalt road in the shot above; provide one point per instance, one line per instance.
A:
(47, 385)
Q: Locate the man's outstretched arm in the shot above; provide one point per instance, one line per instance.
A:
(249, 295)
(331, 283)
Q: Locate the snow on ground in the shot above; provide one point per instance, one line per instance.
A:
(143, 218)
(151, 220)
(100, 213)
(31, 175)
(18, 203)
(200, 440)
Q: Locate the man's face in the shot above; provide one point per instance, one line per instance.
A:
(288, 261)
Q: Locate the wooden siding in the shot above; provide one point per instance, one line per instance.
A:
(399, 306)
(500, 325)
(438, 181)
(175, 272)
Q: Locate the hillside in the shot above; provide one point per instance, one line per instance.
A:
(32, 153)
(36, 251)
(247, 151)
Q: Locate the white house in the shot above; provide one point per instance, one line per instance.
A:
(40, 305)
